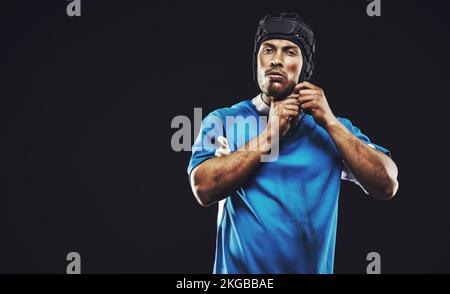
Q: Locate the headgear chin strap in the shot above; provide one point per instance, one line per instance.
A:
(287, 26)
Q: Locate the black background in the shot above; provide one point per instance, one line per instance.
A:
(87, 104)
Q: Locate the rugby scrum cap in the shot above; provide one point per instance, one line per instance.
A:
(287, 26)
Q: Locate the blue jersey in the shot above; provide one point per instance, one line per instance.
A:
(283, 220)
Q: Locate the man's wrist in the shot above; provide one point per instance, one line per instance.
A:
(332, 124)
(265, 141)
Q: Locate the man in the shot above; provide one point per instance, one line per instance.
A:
(280, 216)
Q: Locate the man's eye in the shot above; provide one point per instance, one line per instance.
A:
(292, 52)
(267, 50)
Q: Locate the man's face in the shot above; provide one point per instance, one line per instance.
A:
(279, 67)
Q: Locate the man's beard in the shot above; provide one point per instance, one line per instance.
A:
(280, 93)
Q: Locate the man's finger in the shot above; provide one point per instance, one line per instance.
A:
(294, 107)
(288, 112)
(306, 85)
(309, 85)
(309, 105)
(292, 100)
(307, 98)
(309, 92)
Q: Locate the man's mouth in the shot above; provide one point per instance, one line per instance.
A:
(275, 75)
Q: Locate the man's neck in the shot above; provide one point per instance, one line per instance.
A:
(266, 99)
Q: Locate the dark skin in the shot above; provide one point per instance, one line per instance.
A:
(279, 67)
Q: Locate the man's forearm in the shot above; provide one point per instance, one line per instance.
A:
(376, 172)
(216, 178)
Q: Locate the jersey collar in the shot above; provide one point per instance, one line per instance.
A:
(260, 105)
(263, 108)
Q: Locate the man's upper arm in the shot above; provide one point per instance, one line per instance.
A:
(346, 173)
(207, 142)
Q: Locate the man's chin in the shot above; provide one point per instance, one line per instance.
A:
(278, 93)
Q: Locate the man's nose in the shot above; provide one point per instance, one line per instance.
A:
(276, 61)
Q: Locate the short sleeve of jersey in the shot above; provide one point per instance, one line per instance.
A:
(207, 142)
(357, 132)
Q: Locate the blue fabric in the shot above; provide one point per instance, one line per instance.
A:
(284, 219)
